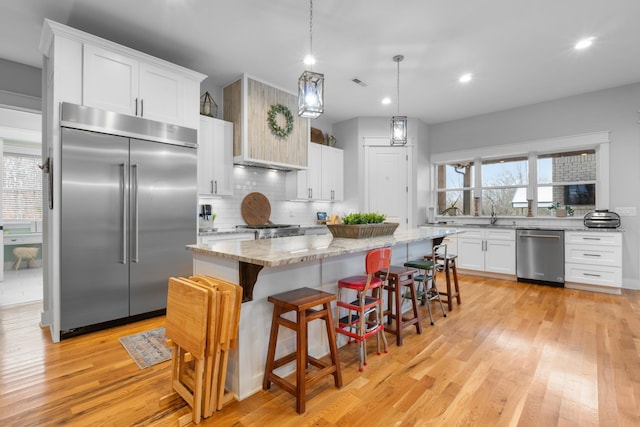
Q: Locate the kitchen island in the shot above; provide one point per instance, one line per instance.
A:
(270, 266)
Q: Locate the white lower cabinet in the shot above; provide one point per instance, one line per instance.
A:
(490, 250)
(593, 258)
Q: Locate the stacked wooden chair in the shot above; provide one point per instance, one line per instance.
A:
(203, 315)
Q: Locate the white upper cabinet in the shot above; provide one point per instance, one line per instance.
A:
(102, 74)
(109, 80)
(305, 184)
(161, 94)
(120, 83)
(332, 174)
(323, 178)
(215, 157)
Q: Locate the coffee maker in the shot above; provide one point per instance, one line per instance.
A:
(205, 218)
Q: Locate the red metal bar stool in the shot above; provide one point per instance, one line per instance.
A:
(302, 302)
(448, 263)
(364, 314)
(401, 287)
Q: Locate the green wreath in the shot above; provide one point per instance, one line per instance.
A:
(280, 132)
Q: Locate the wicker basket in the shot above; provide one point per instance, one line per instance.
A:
(362, 231)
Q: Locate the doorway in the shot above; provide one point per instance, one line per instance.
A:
(20, 206)
(386, 182)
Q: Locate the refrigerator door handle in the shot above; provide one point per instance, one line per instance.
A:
(124, 213)
(134, 191)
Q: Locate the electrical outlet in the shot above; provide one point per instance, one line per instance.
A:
(626, 211)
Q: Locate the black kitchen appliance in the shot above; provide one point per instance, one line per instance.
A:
(601, 218)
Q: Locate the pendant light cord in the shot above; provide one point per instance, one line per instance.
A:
(398, 59)
(311, 59)
(398, 87)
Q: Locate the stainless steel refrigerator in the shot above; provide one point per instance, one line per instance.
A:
(128, 198)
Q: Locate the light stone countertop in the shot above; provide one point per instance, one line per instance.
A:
(295, 249)
(525, 227)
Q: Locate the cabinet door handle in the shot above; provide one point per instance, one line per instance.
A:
(141, 107)
(136, 106)
(211, 186)
(215, 183)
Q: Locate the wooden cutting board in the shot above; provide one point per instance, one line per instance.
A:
(255, 209)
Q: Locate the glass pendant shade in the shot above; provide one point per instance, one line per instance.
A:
(398, 130)
(310, 95)
(398, 123)
(208, 106)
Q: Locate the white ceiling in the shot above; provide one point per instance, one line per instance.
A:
(520, 51)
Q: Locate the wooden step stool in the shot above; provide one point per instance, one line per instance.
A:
(28, 254)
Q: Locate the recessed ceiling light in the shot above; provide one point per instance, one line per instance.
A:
(465, 78)
(584, 43)
(309, 60)
(386, 100)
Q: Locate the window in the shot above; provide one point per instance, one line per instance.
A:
(455, 186)
(501, 180)
(567, 179)
(503, 184)
(21, 187)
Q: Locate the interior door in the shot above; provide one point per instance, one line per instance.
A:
(386, 182)
(162, 220)
(94, 280)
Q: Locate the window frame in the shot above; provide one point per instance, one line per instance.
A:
(598, 141)
(25, 148)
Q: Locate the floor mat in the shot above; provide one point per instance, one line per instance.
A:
(147, 348)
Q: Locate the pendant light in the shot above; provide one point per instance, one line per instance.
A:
(310, 84)
(398, 122)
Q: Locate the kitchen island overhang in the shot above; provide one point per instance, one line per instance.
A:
(287, 263)
(253, 255)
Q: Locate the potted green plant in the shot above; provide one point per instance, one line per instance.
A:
(561, 211)
(362, 225)
(451, 210)
(363, 218)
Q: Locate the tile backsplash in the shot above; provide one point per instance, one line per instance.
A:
(272, 184)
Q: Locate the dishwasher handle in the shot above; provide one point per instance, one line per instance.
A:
(541, 236)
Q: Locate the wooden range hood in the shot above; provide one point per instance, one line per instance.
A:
(247, 102)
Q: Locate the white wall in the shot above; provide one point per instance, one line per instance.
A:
(20, 85)
(616, 110)
(350, 134)
(272, 185)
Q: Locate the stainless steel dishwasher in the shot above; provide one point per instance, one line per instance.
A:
(540, 256)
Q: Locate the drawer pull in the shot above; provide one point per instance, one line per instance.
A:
(591, 274)
(591, 238)
(592, 255)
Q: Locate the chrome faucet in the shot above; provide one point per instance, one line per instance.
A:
(494, 218)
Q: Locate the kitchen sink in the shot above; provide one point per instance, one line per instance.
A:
(485, 225)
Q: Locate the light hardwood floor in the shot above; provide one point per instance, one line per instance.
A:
(511, 354)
